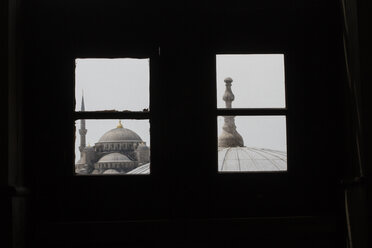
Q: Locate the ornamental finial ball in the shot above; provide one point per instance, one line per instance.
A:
(228, 80)
(120, 125)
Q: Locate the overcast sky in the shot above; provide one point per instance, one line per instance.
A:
(123, 84)
(258, 82)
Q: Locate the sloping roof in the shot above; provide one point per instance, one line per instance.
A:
(143, 169)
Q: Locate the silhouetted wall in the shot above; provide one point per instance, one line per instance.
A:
(184, 202)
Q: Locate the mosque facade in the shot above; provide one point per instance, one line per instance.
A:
(122, 151)
(118, 151)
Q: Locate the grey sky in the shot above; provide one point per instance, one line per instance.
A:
(123, 84)
(260, 131)
(258, 80)
(120, 84)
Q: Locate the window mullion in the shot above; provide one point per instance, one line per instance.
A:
(252, 111)
(112, 115)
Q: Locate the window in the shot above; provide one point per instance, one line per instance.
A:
(186, 201)
(251, 113)
(112, 117)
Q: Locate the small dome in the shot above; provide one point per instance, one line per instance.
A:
(120, 134)
(111, 171)
(114, 157)
(240, 159)
(142, 147)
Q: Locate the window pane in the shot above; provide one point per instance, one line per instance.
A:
(252, 143)
(112, 84)
(106, 147)
(258, 80)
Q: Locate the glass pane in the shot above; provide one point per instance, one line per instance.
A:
(257, 80)
(112, 84)
(252, 143)
(112, 147)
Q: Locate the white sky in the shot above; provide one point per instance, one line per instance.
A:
(258, 80)
(260, 131)
(123, 84)
(120, 84)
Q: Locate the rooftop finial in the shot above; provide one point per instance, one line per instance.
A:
(120, 125)
(229, 136)
(228, 97)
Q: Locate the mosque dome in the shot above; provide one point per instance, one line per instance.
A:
(142, 147)
(111, 171)
(115, 162)
(233, 156)
(120, 134)
(118, 151)
(114, 158)
(241, 159)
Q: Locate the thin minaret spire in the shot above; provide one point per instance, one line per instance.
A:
(82, 101)
(82, 131)
(229, 136)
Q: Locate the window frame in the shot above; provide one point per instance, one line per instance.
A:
(255, 111)
(116, 114)
(62, 197)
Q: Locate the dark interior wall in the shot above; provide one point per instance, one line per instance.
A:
(364, 39)
(184, 201)
(361, 52)
(6, 206)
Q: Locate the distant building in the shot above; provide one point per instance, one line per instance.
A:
(121, 151)
(233, 156)
(118, 151)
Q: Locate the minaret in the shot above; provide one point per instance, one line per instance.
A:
(229, 136)
(82, 130)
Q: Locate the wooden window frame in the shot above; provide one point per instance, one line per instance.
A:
(281, 111)
(115, 114)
